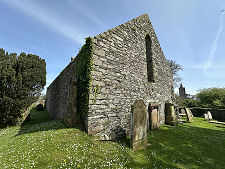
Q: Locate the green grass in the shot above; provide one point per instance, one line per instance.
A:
(43, 143)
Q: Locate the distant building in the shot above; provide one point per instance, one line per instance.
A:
(182, 93)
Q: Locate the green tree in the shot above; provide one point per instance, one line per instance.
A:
(187, 102)
(212, 98)
(22, 78)
(175, 67)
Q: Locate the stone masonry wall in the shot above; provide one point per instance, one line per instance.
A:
(58, 92)
(119, 77)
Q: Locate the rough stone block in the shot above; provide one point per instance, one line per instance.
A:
(97, 62)
(117, 37)
(99, 52)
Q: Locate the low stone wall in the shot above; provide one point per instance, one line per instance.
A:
(218, 114)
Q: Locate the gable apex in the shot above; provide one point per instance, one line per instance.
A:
(132, 21)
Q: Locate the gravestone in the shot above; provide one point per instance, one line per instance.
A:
(153, 110)
(206, 117)
(138, 125)
(171, 118)
(189, 114)
(209, 115)
(70, 116)
(182, 111)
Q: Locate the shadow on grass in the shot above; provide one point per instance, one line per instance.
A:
(39, 121)
(184, 146)
(37, 117)
(124, 142)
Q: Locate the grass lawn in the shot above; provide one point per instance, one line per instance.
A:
(43, 143)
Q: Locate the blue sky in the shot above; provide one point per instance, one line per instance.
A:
(191, 32)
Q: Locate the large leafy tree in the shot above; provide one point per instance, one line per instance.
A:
(22, 78)
(212, 98)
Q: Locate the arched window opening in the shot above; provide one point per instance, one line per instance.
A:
(149, 59)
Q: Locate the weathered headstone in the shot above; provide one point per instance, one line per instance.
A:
(209, 115)
(189, 114)
(138, 125)
(182, 110)
(171, 118)
(153, 110)
(206, 117)
(70, 116)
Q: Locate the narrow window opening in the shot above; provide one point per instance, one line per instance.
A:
(149, 59)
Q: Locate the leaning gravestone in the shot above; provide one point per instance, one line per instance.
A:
(189, 114)
(153, 110)
(138, 125)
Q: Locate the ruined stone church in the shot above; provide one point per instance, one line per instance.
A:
(127, 64)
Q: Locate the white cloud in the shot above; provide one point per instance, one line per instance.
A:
(208, 63)
(86, 12)
(47, 18)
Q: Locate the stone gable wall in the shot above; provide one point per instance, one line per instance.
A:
(58, 92)
(120, 73)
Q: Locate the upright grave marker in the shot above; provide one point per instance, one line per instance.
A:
(208, 116)
(153, 110)
(138, 125)
(171, 118)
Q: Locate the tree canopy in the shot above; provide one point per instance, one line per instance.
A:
(22, 78)
(212, 98)
(206, 98)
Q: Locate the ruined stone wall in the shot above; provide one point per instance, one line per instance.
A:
(119, 77)
(58, 92)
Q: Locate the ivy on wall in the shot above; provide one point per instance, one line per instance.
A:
(83, 67)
